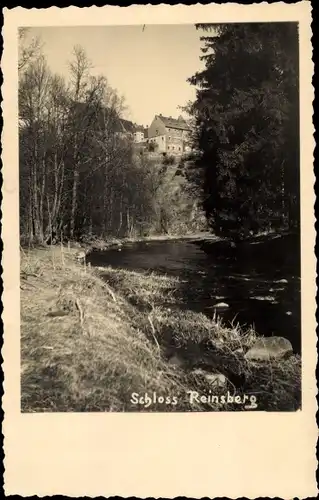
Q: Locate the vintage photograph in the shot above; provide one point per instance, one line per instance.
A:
(159, 209)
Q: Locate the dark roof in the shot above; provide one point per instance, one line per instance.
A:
(138, 128)
(170, 122)
(127, 126)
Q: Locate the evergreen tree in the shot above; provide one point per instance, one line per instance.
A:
(247, 126)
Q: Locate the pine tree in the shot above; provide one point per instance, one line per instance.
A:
(247, 126)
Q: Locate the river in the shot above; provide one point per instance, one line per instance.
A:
(259, 280)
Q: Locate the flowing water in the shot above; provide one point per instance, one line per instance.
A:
(259, 281)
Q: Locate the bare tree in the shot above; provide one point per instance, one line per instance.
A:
(82, 93)
(79, 174)
(28, 50)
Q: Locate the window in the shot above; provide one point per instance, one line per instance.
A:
(167, 147)
(162, 138)
(169, 137)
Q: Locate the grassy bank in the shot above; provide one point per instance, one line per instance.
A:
(104, 244)
(90, 338)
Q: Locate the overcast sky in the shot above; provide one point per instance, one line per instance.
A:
(149, 67)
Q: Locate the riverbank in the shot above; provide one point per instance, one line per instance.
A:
(93, 244)
(90, 338)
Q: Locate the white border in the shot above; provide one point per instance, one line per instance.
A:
(157, 455)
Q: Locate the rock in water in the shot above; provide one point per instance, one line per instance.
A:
(221, 305)
(268, 348)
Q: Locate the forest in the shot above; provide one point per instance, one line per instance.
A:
(246, 127)
(78, 177)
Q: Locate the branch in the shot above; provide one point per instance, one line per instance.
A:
(78, 305)
(153, 333)
(108, 289)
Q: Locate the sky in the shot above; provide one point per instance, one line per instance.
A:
(148, 67)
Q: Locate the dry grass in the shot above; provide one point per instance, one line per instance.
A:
(143, 289)
(91, 338)
(83, 362)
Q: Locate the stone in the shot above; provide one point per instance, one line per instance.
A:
(80, 255)
(269, 348)
(269, 298)
(240, 350)
(214, 379)
(221, 305)
(199, 372)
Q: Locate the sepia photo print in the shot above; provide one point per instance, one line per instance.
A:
(159, 205)
(158, 265)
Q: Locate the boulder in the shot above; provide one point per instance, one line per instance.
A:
(268, 348)
(269, 298)
(221, 305)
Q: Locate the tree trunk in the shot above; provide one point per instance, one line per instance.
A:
(74, 201)
(31, 233)
(35, 205)
(42, 191)
(105, 196)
